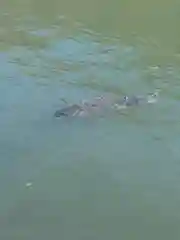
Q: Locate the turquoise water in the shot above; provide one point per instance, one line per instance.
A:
(111, 177)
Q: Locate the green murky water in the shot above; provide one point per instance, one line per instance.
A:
(107, 178)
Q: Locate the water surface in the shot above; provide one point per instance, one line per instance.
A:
(103, 178)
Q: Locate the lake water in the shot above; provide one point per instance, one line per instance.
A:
(111, 177)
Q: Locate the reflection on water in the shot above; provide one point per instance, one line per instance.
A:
(103, 178)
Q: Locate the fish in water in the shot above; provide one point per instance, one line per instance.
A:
(68, 111)
(84, 109)
(136, 100)
(101, 103)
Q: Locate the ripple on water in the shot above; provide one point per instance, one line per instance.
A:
(88, 170)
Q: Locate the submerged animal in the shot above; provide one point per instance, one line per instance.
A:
(68, 111)
(136, 100)
(84, 109)
(101, 103)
